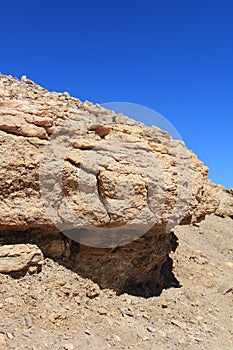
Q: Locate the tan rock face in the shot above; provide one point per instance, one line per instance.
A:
(102, 178)
(20, 258)
(225, 196)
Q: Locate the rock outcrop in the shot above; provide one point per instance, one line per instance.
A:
(19, 259)
(114, 186)
(225, 196)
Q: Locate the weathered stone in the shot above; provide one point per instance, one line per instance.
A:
(114, 185)
(225, 196)
(20, 258)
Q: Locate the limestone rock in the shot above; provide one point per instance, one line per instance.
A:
(108, 182)
(225, 196)
(20, 258)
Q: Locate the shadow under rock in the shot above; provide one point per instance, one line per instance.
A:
(140, 268)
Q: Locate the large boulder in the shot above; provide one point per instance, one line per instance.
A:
(113, 186)
(225, 196)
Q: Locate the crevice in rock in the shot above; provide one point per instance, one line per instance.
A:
(73, 162)
(102, 200)
(15, 133)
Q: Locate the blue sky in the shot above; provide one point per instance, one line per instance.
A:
(175, 57)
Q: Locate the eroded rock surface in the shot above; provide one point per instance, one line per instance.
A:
(225, 196)
(20, 258)
(114, 185)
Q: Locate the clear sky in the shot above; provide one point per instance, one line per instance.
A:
(174, 56)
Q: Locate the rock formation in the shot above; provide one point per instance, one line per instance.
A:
(20, 258)
(225, 196)
(114, 186)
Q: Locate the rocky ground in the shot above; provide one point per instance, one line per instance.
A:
(57, 309)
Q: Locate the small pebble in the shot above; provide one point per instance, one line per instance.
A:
(199, 318)
(69, 346)
(151, 329)
(28, 321)
(10, 335)
(145, 338)
(102, 311)
(147, 317)
(126, 313)
(23, 78)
